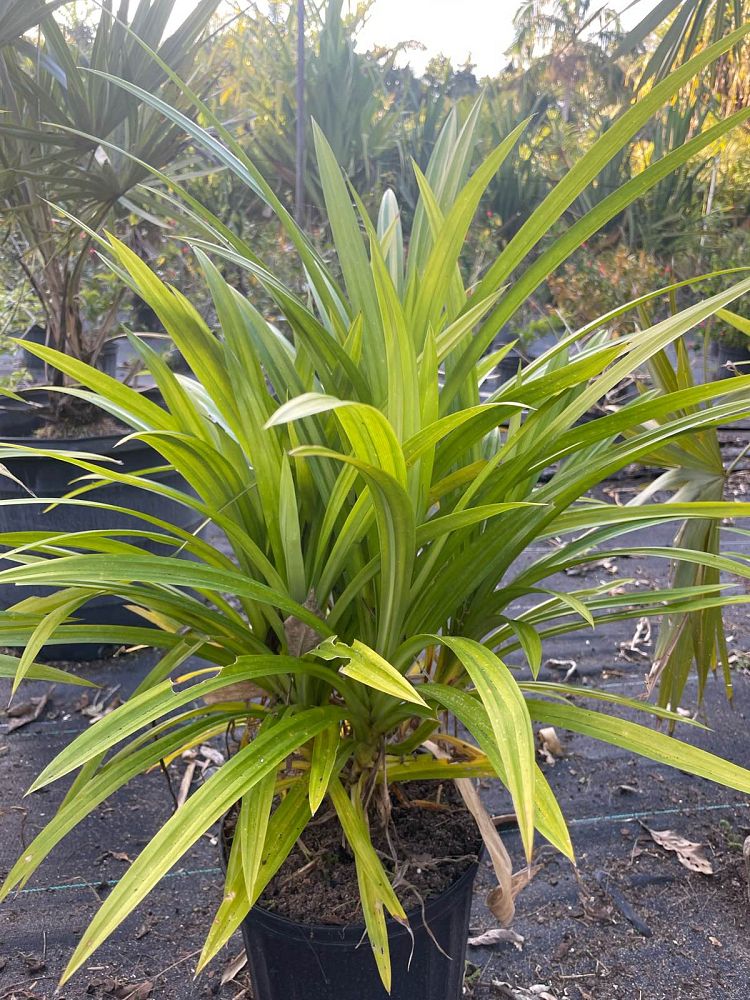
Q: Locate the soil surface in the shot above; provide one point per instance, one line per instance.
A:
(630, 921)
(80, 426)
(432, 840)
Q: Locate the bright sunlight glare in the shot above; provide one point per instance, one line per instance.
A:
(477, 30)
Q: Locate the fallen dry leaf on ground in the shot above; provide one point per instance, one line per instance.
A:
(549, 744)
(497, 935)
(27, 711)
(116, 856)
(594, 909)
(126, 991)
(104, 702)
(234, 967)
(537, 992)
(641, 638)
(688, 853)
(569, 666)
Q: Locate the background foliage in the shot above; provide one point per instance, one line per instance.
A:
(570, 69)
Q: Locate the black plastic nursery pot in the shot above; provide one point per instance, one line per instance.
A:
(294, 961)
(47, 477)
(725, 355)
(508, 366)
(37, 369)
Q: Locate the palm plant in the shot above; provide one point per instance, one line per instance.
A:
(564, 45)
(375, 509)
(682, 28)
(19, 16)
(344, 91)
(55, 113)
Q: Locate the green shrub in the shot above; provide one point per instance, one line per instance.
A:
(599, 278)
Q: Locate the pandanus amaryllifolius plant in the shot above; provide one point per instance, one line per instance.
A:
(375, 491)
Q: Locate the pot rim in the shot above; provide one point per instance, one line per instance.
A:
(345, 934)
(100, 444)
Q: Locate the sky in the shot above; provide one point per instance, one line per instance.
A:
(482, 29)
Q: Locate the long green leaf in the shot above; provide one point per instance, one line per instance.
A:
(237, 776)
(509, 718)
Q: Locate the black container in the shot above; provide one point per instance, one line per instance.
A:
(729, 354)
(291, 961)
(508, 366)
(34, 365)
(19, 418)
(106, 361)
(47, 477)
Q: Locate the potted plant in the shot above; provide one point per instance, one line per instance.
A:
(58, 132)
(375, 520)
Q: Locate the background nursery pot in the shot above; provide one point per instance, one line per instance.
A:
(106, 360)
(726, 353)
(47, 477)
(294, 961)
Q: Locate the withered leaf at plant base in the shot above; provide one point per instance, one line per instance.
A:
(301, 638)
(688, 853)
(500, 900)
(241, 691)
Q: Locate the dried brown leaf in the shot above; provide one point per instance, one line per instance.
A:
(34, 964)
(500, 899)
(550, 746)
(497, 935)
(300, 638)
(120, 856)
(28, 711)
(537, 992)
(241, 691)
(185, 783)
(688, 853)
(130, 991)
(233, 968)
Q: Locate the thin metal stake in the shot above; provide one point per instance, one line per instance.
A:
(299, 185)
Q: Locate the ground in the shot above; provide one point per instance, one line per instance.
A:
(631, 922)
